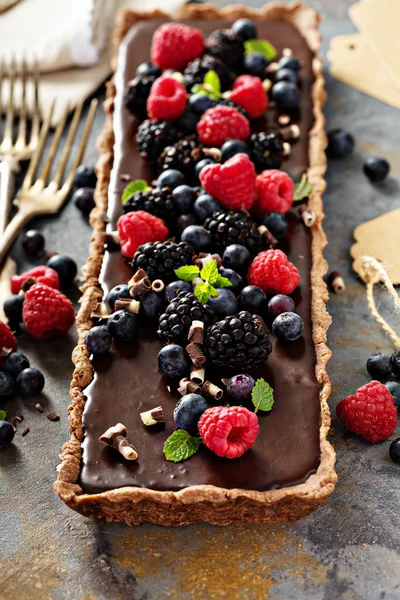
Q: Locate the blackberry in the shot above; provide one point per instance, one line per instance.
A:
(238, 341)
(266, 150)
(175, 323)
(184, 156)
(153, 136)
(157, 201)
(136, 93)
(234, 228)
(197, 69)
(223, 102)
(226, 46)
(160, 259)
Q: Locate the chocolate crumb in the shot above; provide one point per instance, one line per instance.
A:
(39, 407)
(25, 431)
(53, 416)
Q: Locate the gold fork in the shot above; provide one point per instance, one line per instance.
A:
(35, 197)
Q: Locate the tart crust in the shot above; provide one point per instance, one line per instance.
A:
(205, 502)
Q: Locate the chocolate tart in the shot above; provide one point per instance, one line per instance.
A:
(291, 471)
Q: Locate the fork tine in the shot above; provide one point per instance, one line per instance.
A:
(38, 152)
(78, 157)
(22, 112)
(68, 144)
(36, 107)
(1, 83)
(53, 147)
(8, 130)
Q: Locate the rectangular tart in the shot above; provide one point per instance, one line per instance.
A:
(290, 470)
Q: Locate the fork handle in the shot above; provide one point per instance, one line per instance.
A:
(12, 231)
(8, 168)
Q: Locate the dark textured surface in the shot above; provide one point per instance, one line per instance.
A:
(347, 550)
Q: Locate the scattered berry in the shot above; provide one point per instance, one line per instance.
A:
(184, 221)
(244, 29)
(6, 434)
(288, 327)
(198, 237)
(395, 362)
(174, 288)
(255, 64)
(173, 361)
(170, 178)
(7, 340)
(13, 309)
(147, 68)
(228, 430)
(236, 257)
(235, 279)
(233, 183)
(153, 136)
(175, 45)
(184, 197)
(225, 303)
(375, 168)
(275, 192)
(14, 363)
(279, 304)
(379, 366)
(65, 267)
(266, 150)
(370, 412)
(123, 326)
(232, 147)
(340, 143)
(239, 387)
(225, 45)
(160, 260)
(199, 103)
(394, 389)
(276, 223)
(286, 75)
(234, 228)
(85, 176)
(272, 271)
(30, 382)
(198, 68)
(167, 99)
(175, 323)
(42, 274)
(151, 306)
(117, 292)
(222, 123)
(6, 385)
(84, 200)
(137, 228)
(253, 299)
(286, 95)
(290, 62)
(249, 93)
(98, 340)
(47, 313)
(33, 242)
(205, 206)
(188, 411)
(394, 450)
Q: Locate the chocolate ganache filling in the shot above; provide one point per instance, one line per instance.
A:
(126, 381)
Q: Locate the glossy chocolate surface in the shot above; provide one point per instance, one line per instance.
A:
(126, 381)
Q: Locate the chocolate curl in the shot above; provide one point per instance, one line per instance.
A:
(196, 332)
(188, 387)
(125, 177)
(111, 238)
(336, 283)
(5, 352)
(290, 133)
(197, 375)
(116, 437)
(283, 119)
(158, 286)
(212, 390)
(140, 273)
(196, 354)
(28, 283)
(225, 381)
(132, 306)
(306, 214)
(153, 416)
(203, 259)
(139, 287)
(100, 311)
(214, 153)
(267, 235)
(286, 148)
(266, 84)
(287, 52)
(272, 68)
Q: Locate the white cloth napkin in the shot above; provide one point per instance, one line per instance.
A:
(70, 39)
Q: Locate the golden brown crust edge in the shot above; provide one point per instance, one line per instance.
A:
(205, 503)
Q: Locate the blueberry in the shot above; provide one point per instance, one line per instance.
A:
(232, 147)
(184, 221)
(394, 389)
(123, 325)
(235, 279)
(83, 198)
(188, 121)
(30, 382)
(255, 64)
(236, 257)
(225, 303)
(184, 197)
(288, 327)
(98, 340)
(286, 75)
(147, 68)
(205, 206)
(280, 304)
(203, 163)
(117, 292)
(85, 176)
(253, 299)
(394, 450)
(199, 103)
(170, 178)
(6, 434)
(175, 288)
(239, 387)
(173, 361)
(6, 385)
(395, 362)
(289, 62)
(151, 306)
(277, 224)
(286, 95)
(13, 309)
(375, 168)
(198, 237)
(65, 267)
(379, 365)
(340, 143)
(244, 29)
(188, 411)
(33, 242)
(14, 363)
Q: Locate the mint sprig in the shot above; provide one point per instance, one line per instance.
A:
(302, 189)
(210, 276)
(187, 273)
(139, 185)
(209, 272)
(262, 396)
(180, 446)
(263, 47)
(211, 86)
(3, 415)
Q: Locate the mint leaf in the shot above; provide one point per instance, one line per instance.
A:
(3, 415)
(213, 291)
(202, 292)
(212, 82)
(138, 185)
(262, 395)
(262, 47)
(180, 446)
(302, 189)
(187, 273)
(197, 88)
(222, 282)
(210, 272)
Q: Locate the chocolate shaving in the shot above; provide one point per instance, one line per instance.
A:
(214, 153)
(272, 68)
(28, 283)
(53, 416)
(336, 282)
(132, 306)
(196, 332)
(270, 240)
(287, 148)
(111, 238)
(306, 214)
(283, 119)
(287, 52)
(125, 177)
(225, 381)
(212, 390)
(140, 274)
(5, 351)
(158, 286)
(39, 407)
(153, 416)
(197, 375)
(188, 387)
(267, 85)
(196, 354)
(139, 287)
(204, 258)
(290, 133)
(116, 437)
(100, 311)
(25, 431)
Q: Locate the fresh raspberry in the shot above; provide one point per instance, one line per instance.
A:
(228, 430)
(249, 93)
(42, 274)
(47, 313)
(275, 191)
(7, 340)
(167, 99)
(175, 45)
(370, 412)
(137, 228)
(222, 123)
(272, 271)
(233, 183)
